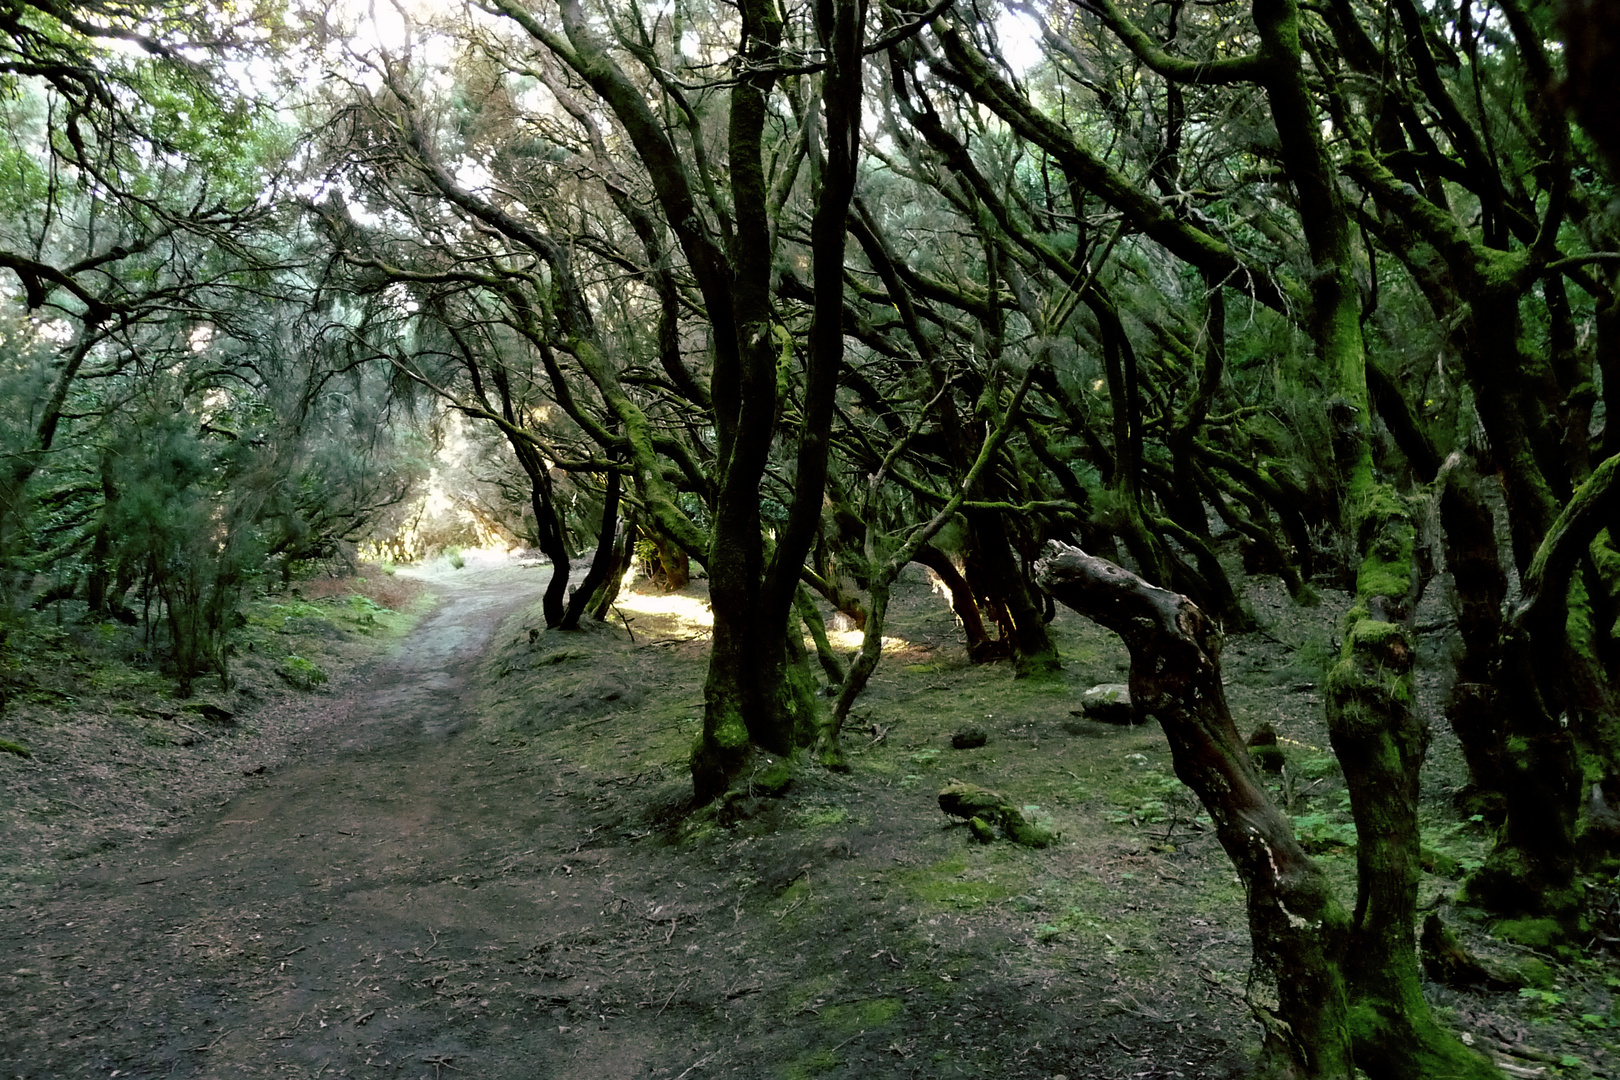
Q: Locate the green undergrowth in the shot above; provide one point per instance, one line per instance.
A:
(69, 660)
(886, 916)
(616, 705)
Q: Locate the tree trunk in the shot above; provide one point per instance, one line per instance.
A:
(622, 560)
(675, 564)
(810, 615)
(1297, 927)
(550, 534)
(1380, 743)
(1473, 709)
(601, 562)
(980, 648)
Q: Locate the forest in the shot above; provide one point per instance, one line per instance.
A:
(990, 348)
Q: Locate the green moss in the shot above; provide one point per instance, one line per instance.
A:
(811, 1064)
(1026, 833)
(1344, 680)
(1536, 933)
(962, 894)
(301, 673)
(1607, 560)
(811, 817)
(9, 747)
(774, 780)
(731, 733)
(861, 1015)
(1385, 540)
(1377, 576)
(1538, 973)
(991, 810)
(1373, 634)
(942, 883)
(1580, 621)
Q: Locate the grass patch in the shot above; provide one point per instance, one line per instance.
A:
(301, 673)
(810, 817)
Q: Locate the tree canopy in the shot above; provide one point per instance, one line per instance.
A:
(804, 294)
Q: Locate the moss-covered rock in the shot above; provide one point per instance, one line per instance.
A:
(1536, 933)
(9, 747)
(773, 780)
(1110, 703)
(1264, 749)
(965, 801)
(989, 814)
(1022, 831)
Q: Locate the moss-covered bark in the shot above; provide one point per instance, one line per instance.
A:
(1379, 741)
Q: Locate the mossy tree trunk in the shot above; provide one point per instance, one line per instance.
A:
(758, 680)
(757, 691)
(1532, 869)
(1532, 401)
(1374, 732)
(602, 562)
(1473, 708)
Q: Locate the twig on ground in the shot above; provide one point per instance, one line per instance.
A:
(699, 1063)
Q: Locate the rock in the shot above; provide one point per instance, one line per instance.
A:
(1027, 833)
(1110, 703)
(989, 814)
(969, 738)
(1263, 748)
(970, 801)
(1447, 962)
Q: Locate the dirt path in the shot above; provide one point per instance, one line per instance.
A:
(285, 930)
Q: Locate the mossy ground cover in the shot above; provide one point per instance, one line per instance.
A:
(532, 894)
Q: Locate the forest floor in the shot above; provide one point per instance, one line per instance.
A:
(470, 853)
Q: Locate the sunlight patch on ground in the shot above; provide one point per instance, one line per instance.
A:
(854, 639)
(667, 614)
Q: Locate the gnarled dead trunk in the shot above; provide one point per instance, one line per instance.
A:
(1297, 926)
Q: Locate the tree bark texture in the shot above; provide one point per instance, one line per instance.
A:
(1298, 928)
(1345, 986)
